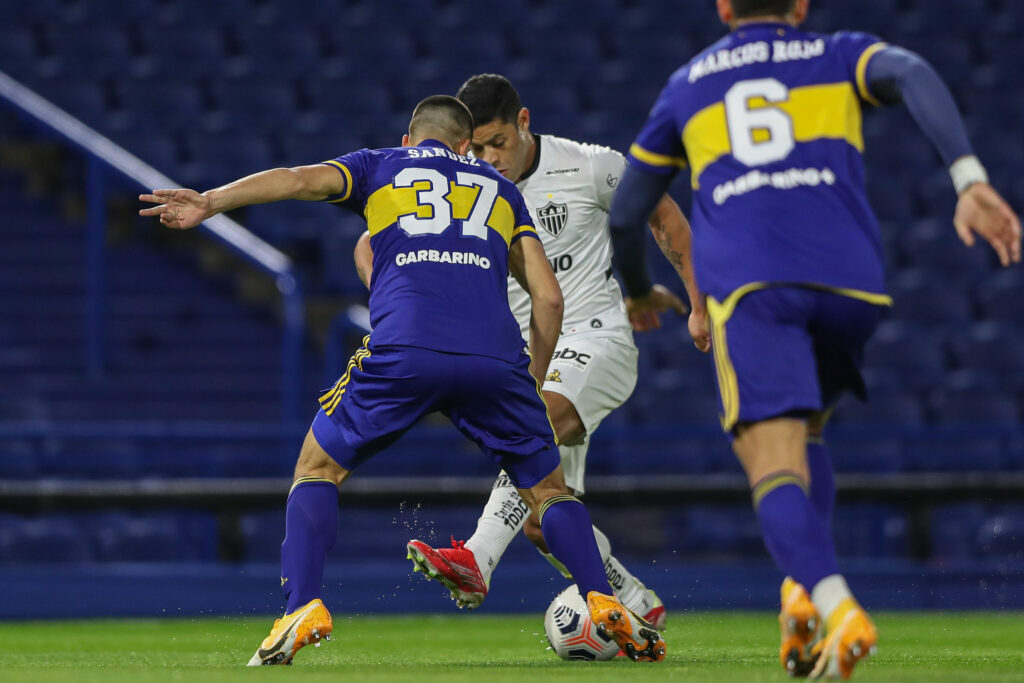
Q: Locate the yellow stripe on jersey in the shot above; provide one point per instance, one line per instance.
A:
(348, 181)
(389, 203)
(520, 230)
(862, 72)
(654, 159)
(829, 111)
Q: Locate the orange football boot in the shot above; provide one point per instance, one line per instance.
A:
(311, 623)
(634, 635)
(800, 626)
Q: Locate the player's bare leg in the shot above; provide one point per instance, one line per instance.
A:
(773, 454)
(312, 515)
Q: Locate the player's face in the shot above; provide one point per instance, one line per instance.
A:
(506, 146)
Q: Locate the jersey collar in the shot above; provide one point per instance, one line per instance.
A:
(536, 159)
(763, 26)
(430, 142)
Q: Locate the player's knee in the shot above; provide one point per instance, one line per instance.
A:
(314, 462)
(568, 425)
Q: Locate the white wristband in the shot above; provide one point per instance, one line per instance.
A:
(966, 171)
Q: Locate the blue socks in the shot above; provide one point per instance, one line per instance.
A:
(823, 486)
(569, 535)
(311, 519)
(795, 534)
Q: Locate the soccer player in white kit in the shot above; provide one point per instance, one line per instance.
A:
(569, 186)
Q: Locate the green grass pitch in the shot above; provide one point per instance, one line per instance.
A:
(705, 646)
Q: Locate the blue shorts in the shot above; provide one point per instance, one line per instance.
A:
(385, 390)
(789, 350)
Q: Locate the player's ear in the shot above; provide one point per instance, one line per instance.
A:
(405, 140)
(725, 11)
(799, 12)
(523, 120)
(462, 146)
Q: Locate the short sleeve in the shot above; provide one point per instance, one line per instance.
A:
(659, 146)
(354, 168)
(608, 166)
(524, 226)
(857, 49)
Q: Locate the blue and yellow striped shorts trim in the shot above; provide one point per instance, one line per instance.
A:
(330, 400)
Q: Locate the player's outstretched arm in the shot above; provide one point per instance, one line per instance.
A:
(183, 208)
(529, 265)
(363, 256)
(897, 75)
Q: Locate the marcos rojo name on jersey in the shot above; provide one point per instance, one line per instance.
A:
(459, 258)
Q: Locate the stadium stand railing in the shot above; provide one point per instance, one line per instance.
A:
(104, 156)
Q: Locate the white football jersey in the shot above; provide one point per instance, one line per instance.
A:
(569, 194)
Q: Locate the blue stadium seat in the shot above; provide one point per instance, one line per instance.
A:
(870, 530)
(954, 530)
(982, 406)
(909, 351)
(717, 531)
(932, 244)
(881, 409)
(1000, 296)
(922, 297)
(263, 533)
(44, 540)
(994, 348)
(120, 538)
(1000, 535)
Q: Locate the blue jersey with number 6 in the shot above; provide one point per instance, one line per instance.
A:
(769, 121)
(440, 225)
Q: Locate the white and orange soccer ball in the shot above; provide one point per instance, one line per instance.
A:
(571, 633)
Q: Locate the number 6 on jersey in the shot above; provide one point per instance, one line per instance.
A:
(745, 122)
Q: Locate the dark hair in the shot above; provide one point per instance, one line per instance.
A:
(756, 8)
(490, 97)
(443, 115)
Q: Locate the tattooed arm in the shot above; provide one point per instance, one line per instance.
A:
(671, 231)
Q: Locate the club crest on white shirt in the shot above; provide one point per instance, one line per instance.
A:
(553, 217)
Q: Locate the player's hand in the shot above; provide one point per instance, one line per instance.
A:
(980, 210)
(180, 209)
(698, 326)
(644, 312)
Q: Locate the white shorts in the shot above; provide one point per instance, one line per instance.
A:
(597, 373)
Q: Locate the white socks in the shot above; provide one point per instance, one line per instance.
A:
(503, 517)
(829, 593)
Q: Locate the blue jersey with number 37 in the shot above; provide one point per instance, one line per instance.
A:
(769, 121)
(440, 225)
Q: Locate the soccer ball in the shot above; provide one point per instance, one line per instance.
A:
(571, 633)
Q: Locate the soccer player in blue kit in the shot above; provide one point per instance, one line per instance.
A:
(788, 253)
(446, 230)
